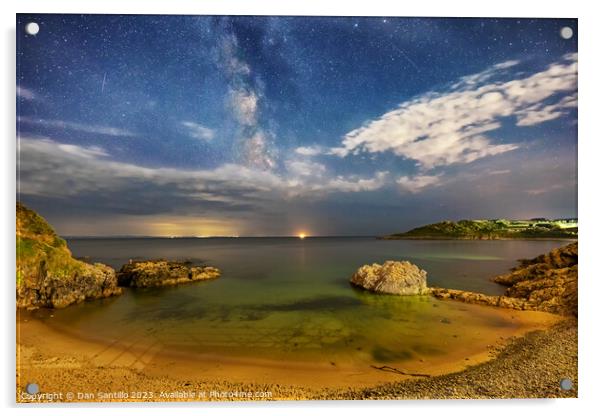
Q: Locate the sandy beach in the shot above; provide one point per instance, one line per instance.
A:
(65, 365)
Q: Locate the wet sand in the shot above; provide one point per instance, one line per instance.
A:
(62, 363)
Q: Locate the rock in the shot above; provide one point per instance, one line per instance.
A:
(541, 266)
(393, 277)
(478, 298)
(513, 303)
(546, 283)
(154, 273)
(47, 274)
(464, 296)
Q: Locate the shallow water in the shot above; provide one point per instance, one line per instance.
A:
(289, 299)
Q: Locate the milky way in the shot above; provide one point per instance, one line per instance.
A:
(209, 125)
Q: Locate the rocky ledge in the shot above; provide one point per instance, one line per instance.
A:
(47, 274)
(481, 299)
(392, 277)
(546, 283)
(154, 273)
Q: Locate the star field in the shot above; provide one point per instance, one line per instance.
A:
(217, 125)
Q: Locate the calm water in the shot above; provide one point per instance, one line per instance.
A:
(290, 298)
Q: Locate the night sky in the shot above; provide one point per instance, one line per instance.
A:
(254, 126)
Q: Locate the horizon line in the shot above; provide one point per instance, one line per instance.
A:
(299, 236)
(219, 236)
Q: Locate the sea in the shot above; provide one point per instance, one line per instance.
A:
(290, 298)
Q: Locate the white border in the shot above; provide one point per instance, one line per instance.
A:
(589, 189)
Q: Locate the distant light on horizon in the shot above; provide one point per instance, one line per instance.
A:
(302, 236)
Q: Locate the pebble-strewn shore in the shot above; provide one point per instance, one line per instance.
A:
(528, 367)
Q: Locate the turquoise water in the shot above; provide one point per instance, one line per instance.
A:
(286, 298)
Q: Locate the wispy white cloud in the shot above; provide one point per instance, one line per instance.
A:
(305, 168)
(78, 169)
(486, 75)
(198, 131)
(550, 188)
(499, 172)
(25, 93)
(83, 152)
(86, 128)
(309, 150)
(540, 113)
(439, 129)
(353, 184)
(417, 183)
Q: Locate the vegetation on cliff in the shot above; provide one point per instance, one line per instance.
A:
(492, 229)
(47, 274)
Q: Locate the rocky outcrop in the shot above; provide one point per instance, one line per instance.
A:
(546, 283)
(47, 274)
(479, 298)
(154, 273)
(541, 266)
(48, 290)
(393, 277)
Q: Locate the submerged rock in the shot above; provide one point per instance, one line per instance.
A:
(47, 274)
(153, 273)
(393, 277)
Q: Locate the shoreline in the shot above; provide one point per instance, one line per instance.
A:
(528, 367)
(151, 369)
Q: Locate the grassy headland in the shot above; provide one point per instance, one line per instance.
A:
(537, 228)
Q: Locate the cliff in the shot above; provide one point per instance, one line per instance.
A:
(47, 274)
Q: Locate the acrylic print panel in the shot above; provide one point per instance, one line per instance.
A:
(291, 208)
